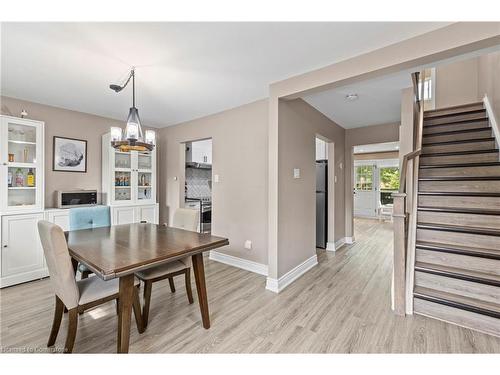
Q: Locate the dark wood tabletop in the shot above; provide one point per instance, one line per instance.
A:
(119, 250)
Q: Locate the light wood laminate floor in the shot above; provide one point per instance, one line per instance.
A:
(340, 306)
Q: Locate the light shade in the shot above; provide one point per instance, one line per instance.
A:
(133, 130)
(116, 133)
(150, 136)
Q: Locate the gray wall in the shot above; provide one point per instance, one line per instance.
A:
(72, 124)
(239, 157)
(296, 204)
(489, 80)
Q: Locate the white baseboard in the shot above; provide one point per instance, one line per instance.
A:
(277, 285)
(245, 264)
(334, 246)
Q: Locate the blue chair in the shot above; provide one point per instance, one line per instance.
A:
(88, 218)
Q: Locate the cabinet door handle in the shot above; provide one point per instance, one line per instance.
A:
(4, 245)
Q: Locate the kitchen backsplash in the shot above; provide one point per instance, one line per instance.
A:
(198, 182)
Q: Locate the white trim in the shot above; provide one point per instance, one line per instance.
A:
(245, 264)
(334, 246)
(491, 116)
(349, 240)
(277, 285)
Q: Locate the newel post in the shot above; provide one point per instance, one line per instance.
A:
(399, 281)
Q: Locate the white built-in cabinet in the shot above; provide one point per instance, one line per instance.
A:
(200, 152)
(129, 184)
(21, 165)
(128, 178)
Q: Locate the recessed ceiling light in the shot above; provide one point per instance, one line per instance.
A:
(351, 97)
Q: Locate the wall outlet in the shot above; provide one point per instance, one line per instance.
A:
(165, 224)
(296, 173)
(216, 178)
(248, 245)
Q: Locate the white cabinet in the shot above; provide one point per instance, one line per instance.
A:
(134, 214)
(21, 165)
(58, 217)
(22, 254)
(128, 178)
(200, 152)
(321, 149)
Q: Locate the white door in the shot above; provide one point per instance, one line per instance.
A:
(22, 254)
(365, 191)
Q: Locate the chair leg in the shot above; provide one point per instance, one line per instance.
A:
(189, 291)
(148, 285)
(117, 306)
(172, 285)
(137, 311)
(56, 324)
(72, 326)
(85, 274)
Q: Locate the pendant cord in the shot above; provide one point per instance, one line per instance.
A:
(133, 88)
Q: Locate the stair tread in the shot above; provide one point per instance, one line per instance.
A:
(461, 165)
(453, 107)
(484, 139)
(458, 228)
(452, 132)
(468, 121)
(460, 178)
(459, 210)
(459, 249)
(459, 273)
(460, 300)
(452, 153)
(459, 194)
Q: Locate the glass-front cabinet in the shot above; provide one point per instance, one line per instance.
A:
(127, 177)
(22, 163)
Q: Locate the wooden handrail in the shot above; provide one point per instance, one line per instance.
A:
(404, 168)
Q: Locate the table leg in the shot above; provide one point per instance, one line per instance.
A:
(126, 297)
(199, 275)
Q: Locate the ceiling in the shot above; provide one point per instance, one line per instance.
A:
(184, 70)
(378, 102)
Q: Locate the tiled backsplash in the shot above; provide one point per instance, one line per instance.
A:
(197, 182)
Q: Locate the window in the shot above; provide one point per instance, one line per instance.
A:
(427, 88)
(364, 177)
(389, 183)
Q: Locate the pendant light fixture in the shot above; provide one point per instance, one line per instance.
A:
(132, 139)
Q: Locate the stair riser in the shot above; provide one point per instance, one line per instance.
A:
(479, 241)
(487, 293)
(487, 203)
(461, 172)
(463, 318)
(457, 136)
(454, 118)
(432, 129)
(453, 111)
(460, 186)
(483, 265)
(462, 159)
(459, 147)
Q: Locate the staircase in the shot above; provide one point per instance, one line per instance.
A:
(457, 252)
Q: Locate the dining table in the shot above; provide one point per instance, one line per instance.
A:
(119, 251)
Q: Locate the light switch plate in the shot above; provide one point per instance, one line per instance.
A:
(248, 245)
(216, 178)
(296, 173)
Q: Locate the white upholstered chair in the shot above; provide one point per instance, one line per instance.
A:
(76, 296)
(184, 218)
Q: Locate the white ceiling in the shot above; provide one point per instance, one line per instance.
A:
(379, 101)
(185, 70)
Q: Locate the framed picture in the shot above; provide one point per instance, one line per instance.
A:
(69, 155)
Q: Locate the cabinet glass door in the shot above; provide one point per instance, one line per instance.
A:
(23, 158)
(144, 177)
(123, 177)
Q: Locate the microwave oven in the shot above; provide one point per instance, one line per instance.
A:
(76, 198)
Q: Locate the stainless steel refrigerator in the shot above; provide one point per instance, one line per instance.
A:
(321, 203)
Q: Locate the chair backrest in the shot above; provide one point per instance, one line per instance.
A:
(186, 218)
(62, 276)
(89, 217)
